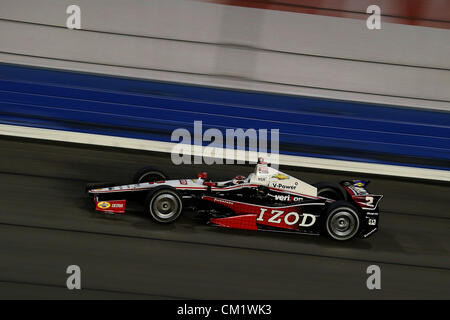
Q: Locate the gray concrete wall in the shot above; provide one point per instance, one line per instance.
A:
(209, 44)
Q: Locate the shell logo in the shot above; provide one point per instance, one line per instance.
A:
(103, 205)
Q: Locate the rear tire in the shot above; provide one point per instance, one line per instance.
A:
(342, 221)
(330, 191)
(149, 174)
(164, 205)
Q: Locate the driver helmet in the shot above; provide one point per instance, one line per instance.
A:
(239, 179)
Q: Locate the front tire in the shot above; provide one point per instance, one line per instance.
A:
(164, 205)
(342, 221)
(149, 174)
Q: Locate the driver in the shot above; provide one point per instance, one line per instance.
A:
(239, 179)
(236, 180)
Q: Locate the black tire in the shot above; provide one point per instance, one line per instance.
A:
(330, 190)
(149, 174)
(98, 185)
(164, 205)
(342, 221)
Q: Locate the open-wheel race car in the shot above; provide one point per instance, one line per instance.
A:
(267, 199)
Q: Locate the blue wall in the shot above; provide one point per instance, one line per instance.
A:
(152, 110)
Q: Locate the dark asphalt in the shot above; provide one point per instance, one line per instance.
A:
(45, 225)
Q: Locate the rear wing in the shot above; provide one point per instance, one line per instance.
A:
(356, 189)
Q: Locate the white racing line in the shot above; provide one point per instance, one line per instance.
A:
(288, 160)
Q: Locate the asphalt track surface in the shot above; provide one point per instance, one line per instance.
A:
(46, 225)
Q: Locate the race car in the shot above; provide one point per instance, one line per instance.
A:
(267, 199)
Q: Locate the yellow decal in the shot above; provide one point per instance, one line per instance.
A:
(103, 205)
(280, 176)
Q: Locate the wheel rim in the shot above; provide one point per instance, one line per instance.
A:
(165, 206)
(343, 224)
(151, 177)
